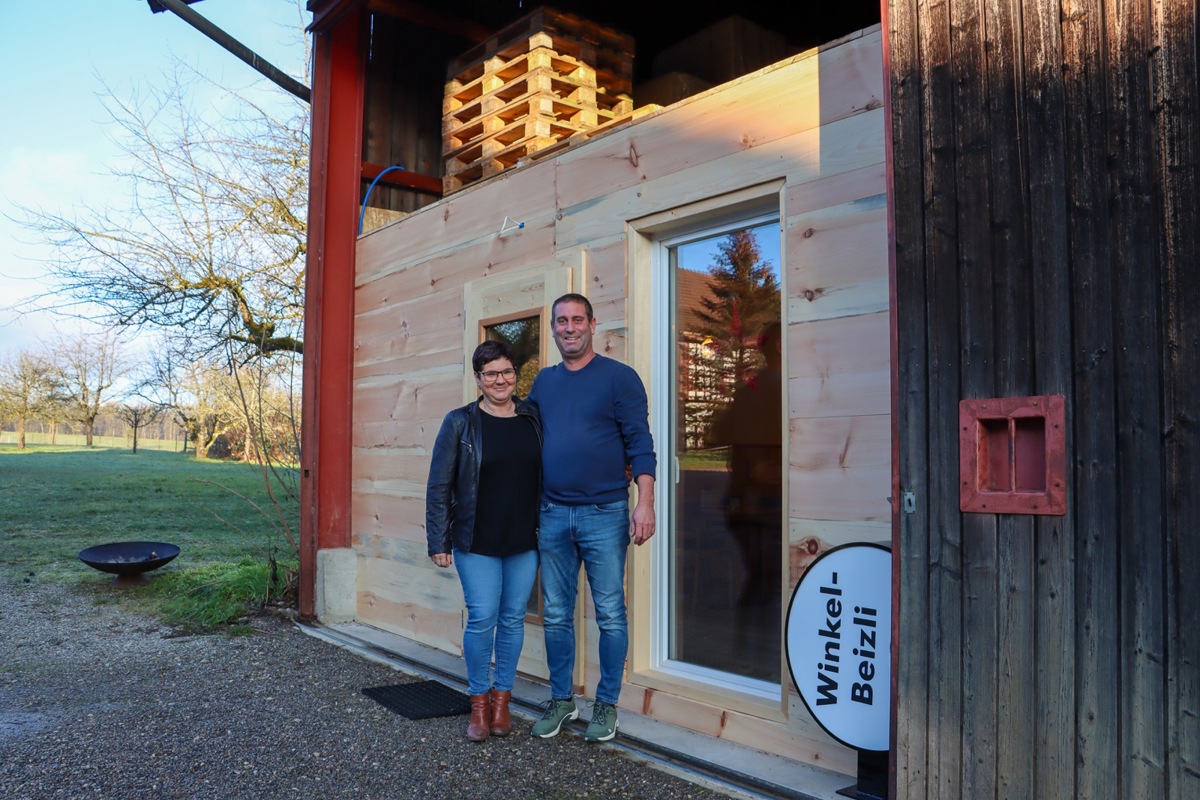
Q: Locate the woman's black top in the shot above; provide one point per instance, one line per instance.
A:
(506, 508)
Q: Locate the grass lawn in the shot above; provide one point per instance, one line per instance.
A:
(715, 459)
(57, 500)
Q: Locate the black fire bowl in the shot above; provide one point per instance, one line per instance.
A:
(128, 560)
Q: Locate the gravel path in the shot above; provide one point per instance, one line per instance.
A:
(96, 703)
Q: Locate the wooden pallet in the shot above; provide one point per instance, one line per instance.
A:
(540, 91)
(464, 171)
(539, 70)
(608, 50)
(533, 84)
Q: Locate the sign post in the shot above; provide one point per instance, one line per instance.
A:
(838, 641)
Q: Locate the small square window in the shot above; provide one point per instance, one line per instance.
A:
(1012, 455)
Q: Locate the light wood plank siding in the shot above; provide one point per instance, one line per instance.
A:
(814, 124)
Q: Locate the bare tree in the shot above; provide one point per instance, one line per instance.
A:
(205, 405)
(87, 366)
(211, 240)
(267, 398)
(29, 387)
(138, 414)
(162, 383)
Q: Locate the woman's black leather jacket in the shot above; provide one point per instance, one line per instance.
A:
(454, 476)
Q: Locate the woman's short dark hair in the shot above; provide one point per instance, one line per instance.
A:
(489, 351)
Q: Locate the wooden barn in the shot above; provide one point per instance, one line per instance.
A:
(948, 250)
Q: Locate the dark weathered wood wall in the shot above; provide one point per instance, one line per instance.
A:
(405, 81)
(1048, 242)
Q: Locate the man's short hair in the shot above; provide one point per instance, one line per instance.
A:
(571, 297)
(489, 351)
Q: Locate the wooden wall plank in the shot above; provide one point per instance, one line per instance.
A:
(424, 333)
(839, 468)
(809, 538)
(523, 195)
(398, 516)
(943, 634)
(604, 279)
(1054, 557)
(972, 187)
(807, 743)
(1094, 432)
(417, 395)
(1011, 297)
(836, 532)
(1176, 81)
(394, 487)
(407, 436)
(1137, 355)
(419, 602)
(912, 719)
(845, 146)
(434, 265)
(836, 367)
(383, 544)
(845, 187)
(837, 260)
(404, 413)
(837, 84)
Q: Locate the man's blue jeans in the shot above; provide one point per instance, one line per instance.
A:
(496, 590)
(597, 536)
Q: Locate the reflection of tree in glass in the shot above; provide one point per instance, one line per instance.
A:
(524, 336)
(745, 299)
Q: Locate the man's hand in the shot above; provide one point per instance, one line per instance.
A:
(641, 525)
(442, 559)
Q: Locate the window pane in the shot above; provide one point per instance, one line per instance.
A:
(524, 335)
(727, 510)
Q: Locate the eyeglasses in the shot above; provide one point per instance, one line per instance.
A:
(491, 375)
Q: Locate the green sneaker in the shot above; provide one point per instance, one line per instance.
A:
(554, 714)
(604, 723)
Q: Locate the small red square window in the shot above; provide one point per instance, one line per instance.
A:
(1013, 455)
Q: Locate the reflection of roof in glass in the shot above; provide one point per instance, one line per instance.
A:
(691, 290)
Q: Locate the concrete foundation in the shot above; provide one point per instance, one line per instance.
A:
(337, 581)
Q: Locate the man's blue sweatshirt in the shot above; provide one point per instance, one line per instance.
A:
(594, 423)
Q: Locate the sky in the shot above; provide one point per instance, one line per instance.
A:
(58, 57)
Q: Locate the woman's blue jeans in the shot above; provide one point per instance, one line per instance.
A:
(496, 590)
(597, 536)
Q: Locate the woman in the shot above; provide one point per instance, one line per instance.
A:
(481, 515)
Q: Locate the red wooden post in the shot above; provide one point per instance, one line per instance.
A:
(334, 187)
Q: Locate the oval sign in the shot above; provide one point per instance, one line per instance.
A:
(838, 642)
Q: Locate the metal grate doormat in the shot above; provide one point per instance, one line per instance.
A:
(421, 700)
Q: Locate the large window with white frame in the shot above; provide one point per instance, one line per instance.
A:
(720, 421)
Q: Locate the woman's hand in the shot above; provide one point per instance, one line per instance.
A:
(442, 559)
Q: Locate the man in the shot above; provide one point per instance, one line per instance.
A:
(594, 422)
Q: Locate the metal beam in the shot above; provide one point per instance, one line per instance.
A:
(272, 73)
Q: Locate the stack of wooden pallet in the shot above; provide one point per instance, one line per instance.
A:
(544, 78)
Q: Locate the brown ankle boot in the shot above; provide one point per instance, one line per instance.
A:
(501, 724)
(479, 727)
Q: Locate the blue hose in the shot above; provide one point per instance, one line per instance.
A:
(362, 214)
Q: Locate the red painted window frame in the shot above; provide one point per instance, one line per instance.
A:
(1032, 433)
